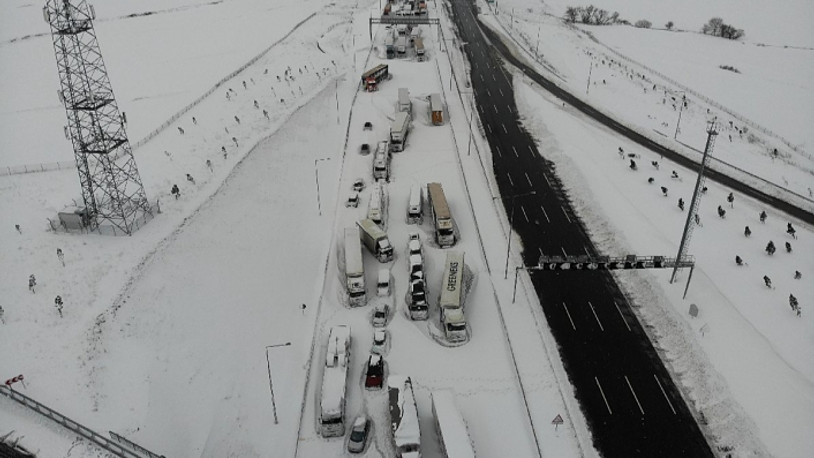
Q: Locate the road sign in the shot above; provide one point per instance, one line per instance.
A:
(557, 421)
(16, 379)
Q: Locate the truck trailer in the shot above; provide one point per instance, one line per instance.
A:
(399, 129)
(451, 427)
(401, 44)
(404, 103)
(334, 382)
(414, 205)
(404, 417)
(354, 268)
(375, 239)
(382, 161)
(442, 218)
(436, 109)
(372, 77)
(376, 206)
(451, 301)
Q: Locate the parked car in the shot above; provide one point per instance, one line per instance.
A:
(414, 244)
(353, 200)
(368, 125)
(358, 185)
(383, 285)
(379, 346)
(415, 266)
(374, 374)
(364, 150)
(358, 434)
(380, 315)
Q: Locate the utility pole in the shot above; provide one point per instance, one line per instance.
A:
(271, 386)
(680, 110)
(511, 227)
(316, 174)
(590, 69)
(712, 132)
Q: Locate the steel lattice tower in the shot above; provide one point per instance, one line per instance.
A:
(111, 187)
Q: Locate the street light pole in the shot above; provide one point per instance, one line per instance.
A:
(680, 110)
(511, 227)
(271, 386)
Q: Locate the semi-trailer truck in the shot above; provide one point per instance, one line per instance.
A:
(334, 382)
(381, 161)
(375, 239)
(451, 301)
(404, 100)
(418, 43)
(442, 218)
(404, 417)
(354, 268)
(376, 206)
(399, 129)
(372, 77)
(414, 212)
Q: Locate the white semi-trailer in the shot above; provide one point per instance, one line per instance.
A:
(354, 268)
(455, 441)
(451, 301)
(375, 239)
(334, 382)
(442, 218)
(381, 161)
(375, 208)
(404, 417)
(399, 129)
(404, 100)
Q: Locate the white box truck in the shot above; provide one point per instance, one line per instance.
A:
(404, 100)
(354, 268)
(375, 239)
(454, 438)
(375, 208)
(451, 301)
(419, 48)
(442, 218)
(381, 161)
(334, 382)
(401, 44)
(414, 206)
(404, 417)
(399, 129)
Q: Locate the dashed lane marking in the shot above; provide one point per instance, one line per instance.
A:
(595, 316)
(665, 394)
(526, 174)
(565, 213)
(602, 392)
(545, 214)
(634, 395)
(569, 316)
(622, 316)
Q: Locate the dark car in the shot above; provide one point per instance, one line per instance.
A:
(374, 376)
(358, 434)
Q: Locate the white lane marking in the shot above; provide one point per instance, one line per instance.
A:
(524, 213)
(540, 249)
(489, 127)
(531, 151)
(480, 108)
(602, 328)
(623, 317)
(487, 91)
(563, 252)
(515, 152)
(495, 107)
(586, 250)
(564, 213)
(602, 392)
(497, 148)
(493, 77)
(501, 91)
(546, 180)
(569, 316)
(545, 213)
(527, 177)
(510, 179)
(481, 77)
(634, 395)
(504, 128)
(665, 394)
(509, 107)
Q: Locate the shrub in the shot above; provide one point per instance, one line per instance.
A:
(669, 25)
(590, 15)
(643, 24)
(730, 68)
(717, 28)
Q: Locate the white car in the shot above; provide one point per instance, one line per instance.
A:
(353, 200)
(383, 285)
(379, 346)
(358, 185)
(380, 315)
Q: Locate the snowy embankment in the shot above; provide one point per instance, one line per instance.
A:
(745, 360)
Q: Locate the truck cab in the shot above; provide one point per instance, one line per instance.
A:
(454, 323)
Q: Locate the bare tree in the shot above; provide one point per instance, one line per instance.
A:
(601, 16)
(586, 14)
(669, 25)
(571, 14)
(713, 27)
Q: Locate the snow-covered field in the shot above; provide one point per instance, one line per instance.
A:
(164, 333)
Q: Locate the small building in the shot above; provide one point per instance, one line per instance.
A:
(436, 109)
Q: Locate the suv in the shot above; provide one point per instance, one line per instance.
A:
(358, 434)
(379, 342)
(380, 314)
(374, 373)
(353, 200)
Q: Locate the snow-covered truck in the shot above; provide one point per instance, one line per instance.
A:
(455, 441)
(442, 218)
(404, 100)
(375, 208)
(334, 382)
(381, 161)
(436, 109)
(414, 212)
(354, 268)
(375, 239)
(404, 417)
(401, 44)
(451, 301)
(399, 129)
(390, 46)
(372, 77)
(418, 44)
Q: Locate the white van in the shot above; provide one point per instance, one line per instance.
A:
(414, 206)
(383, 285)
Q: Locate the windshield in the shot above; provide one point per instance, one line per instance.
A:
(357, 436)
(456, 327)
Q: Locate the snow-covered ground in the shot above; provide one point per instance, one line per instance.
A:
(165, 332)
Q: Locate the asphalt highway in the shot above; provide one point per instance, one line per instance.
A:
(631, 404)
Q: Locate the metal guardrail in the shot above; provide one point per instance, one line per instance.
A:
(81, 430)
